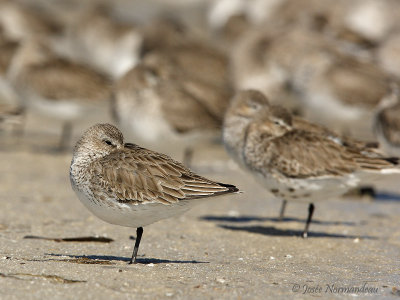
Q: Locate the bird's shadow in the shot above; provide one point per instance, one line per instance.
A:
(246, 219)
(106, 259)
(387, 197)
(272, 231)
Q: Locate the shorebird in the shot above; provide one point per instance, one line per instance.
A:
(247, 104)
(103, 42)
(340, 90)
(196, 56)
(243, 108)
(267, 60)
(295, 159)
(25, 21)
(299, 67)
(127, 185)
(55, 86)
(387, 123)
(172, 104)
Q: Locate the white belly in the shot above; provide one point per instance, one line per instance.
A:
(66, 110)
(131, 215)
(388, 148)
(308, 190)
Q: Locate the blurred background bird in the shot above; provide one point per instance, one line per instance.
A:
(387, 122)
(320, 59)
(166, 71)
(97, 38)
(56, 87)
(162, 101)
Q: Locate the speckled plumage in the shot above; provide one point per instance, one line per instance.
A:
(294, 159)
(131, 186)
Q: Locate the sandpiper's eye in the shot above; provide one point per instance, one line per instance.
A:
(108, 142)
(254, 106)
(277, 123)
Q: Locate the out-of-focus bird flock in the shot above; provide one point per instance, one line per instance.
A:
(169, 69)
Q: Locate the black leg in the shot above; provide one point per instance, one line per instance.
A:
(367, 191)
(282, 212)
(139, 232)
(310, 214)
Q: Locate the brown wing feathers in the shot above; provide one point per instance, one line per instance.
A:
(320, 156)
(145, 176)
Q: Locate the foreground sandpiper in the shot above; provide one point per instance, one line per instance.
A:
(127, 185)
(296, 161)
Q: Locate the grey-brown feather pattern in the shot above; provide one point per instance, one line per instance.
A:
(7, 50)
(60, 79)
(368, 148)
(357, 82)
(184, 111)
(136, 175)
(301, 154)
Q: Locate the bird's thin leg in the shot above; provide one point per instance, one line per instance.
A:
(65, 135)
(188, 156)
(282, 212)
(139, 232)
(19, 127)
(310, 214)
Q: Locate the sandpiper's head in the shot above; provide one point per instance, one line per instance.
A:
(246, 104)
(140, 77)
(98, 141)
(274, 122)
(244, 107)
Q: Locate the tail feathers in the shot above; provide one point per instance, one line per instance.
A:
(195, 193)
(381, 164)
(393, 160)
(231, 188)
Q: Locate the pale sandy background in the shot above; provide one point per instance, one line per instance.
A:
(226, 248)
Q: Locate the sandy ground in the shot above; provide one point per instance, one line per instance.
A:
(225, 248)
